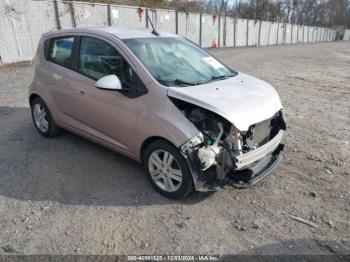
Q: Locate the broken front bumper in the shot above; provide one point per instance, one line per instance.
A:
(250, 168)
(249, 158)
(255, 173)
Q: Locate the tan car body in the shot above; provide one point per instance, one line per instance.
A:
(118, 122)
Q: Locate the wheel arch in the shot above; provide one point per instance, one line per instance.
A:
(149, 141)
(32, 97)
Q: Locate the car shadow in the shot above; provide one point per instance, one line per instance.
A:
(69, 169)
(295, 250)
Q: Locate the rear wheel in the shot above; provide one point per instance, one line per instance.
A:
(42, 118)
(167, 170)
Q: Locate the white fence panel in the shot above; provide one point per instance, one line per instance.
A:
(210, 30)
(347, 35)
(22, 25)
(325, 36)
(88, 15)
(288, 34)
(314, 34)
(193, 27)
(330, 35)
(318, 34)
(273, 33)
(321, 31)
(64, 15)
(9, 46)
(221, 33)
(300, 37)
(294, 34)
(229, 31)
(321, 34)
(182, 24)
(253, 32)
(166, 21)
(310, 32)
(264, 33)
(130, 16)
(281, 29)
(328, 32)
(187, 24)
(241, 32)
(305, 34)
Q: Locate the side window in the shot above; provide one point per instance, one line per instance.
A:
(98, 59)
(61, 51)
(47, 48)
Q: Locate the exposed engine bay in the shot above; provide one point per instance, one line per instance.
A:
(223, 150)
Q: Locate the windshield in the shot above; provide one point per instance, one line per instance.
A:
(174, 61)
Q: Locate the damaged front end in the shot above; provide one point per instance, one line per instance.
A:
(223, 155)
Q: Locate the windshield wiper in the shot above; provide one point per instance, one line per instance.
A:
(182, 82)
(220, 77)
(176, 82)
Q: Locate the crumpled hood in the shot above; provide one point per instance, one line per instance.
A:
(243, 100)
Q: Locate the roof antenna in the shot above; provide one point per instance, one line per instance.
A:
(153, 30)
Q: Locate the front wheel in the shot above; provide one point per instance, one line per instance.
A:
(167, 170)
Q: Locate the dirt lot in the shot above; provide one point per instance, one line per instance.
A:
(70, 196)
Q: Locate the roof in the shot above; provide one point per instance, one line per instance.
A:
(120, 32)
(132, 32)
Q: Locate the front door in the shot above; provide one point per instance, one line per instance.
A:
(106, 115)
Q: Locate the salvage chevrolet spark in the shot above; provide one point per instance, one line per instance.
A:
(194, 123)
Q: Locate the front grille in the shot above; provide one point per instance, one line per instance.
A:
(262, 132)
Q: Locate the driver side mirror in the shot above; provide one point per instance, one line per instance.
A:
(110, 82)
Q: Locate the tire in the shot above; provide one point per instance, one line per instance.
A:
(159, 175)
(49, 129)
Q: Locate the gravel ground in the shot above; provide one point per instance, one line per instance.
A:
(67, 195)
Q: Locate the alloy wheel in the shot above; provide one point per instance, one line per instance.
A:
(40, 118)
(165, 171)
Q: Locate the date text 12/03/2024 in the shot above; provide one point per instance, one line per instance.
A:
(174, 258)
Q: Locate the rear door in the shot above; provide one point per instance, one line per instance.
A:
(59, 72)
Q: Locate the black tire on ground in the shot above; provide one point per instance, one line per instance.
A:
(186, 186)
(52, 129)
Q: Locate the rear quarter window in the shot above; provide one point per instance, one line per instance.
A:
(61, 50)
